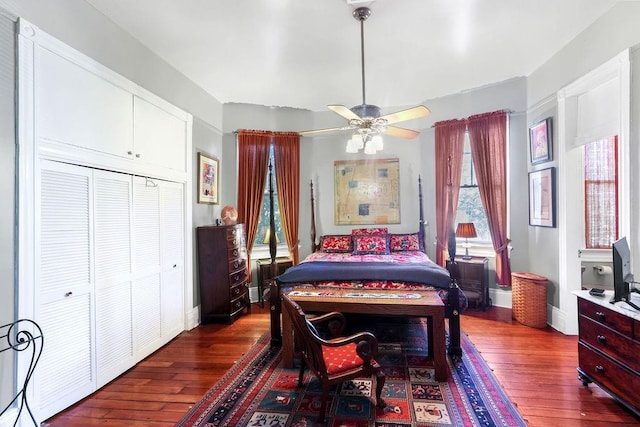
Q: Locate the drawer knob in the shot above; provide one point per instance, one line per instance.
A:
(599, 369)
(602, 339)
(600, 315)
(236, 264)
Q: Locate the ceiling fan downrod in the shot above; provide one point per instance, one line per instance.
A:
(361, 14)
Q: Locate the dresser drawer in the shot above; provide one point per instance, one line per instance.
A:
(240, 303)
(617, 379)
(239, 252)
(610, 318)
(237, 290)
(235, 237)
(237, 277)
(608, 341)
(237, 264)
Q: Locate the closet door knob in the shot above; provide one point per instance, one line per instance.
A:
(138, 155)
(68, 294)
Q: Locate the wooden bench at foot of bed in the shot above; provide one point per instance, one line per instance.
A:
(451, 310)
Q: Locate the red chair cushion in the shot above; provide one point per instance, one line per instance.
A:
(340, 359)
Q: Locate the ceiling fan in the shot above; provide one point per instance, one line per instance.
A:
(365, 119)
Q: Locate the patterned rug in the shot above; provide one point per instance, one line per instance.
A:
(258, 392)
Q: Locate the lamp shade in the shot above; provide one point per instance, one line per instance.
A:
(466, 230)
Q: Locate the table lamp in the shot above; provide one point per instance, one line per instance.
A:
(466, 230)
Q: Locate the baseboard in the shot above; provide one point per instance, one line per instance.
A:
(253, 294)
(557, 318)
(192, 318)
(500, 297)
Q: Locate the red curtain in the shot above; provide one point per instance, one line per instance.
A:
(488, 140)
(287, 158)
(449, 141)
(253, 163)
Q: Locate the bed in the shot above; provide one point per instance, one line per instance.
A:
(370, 258)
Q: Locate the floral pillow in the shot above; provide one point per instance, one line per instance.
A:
(336, 243)
(370, 231)
(404, 242)
(371, 244)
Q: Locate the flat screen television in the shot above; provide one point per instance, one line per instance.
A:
(622, 276)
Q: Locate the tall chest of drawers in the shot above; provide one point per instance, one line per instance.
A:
(222, 273)
(609, 348)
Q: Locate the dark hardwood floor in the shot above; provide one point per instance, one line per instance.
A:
(537, 368)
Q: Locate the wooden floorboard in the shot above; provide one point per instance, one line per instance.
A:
(536, 367)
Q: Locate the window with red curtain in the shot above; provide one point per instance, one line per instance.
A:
(601, 193)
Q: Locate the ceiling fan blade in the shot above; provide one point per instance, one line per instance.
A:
(314, 131)
(344, 112)
(401, 132)
(408, 114)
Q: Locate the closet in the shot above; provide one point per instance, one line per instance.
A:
(105, 219)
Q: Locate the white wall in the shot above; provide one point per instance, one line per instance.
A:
(207, 139)
(7, 194)
(605, 38)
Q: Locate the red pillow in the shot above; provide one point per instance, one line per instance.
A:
(369, 231)
(336, 243)
(404, 242)
(371, 244)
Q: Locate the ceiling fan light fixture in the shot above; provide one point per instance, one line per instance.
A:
(355, 143)
(376, 141)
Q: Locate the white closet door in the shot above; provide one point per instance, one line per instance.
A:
(78, 107)
(172, 243)
(147, 303)
(63, 286)
(114, 310)
(159, 137)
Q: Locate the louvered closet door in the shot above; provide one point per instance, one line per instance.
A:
(147, 304)
(172, 243)
(113, 280)
(63, 286)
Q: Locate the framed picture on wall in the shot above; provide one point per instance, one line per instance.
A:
(542, 198)
(540, 146)
(208, 179)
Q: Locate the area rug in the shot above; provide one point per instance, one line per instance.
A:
(257, 391)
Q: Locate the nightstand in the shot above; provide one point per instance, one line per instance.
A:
(474, 280)
(264, 273)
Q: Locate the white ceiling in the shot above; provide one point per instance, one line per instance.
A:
(306, 53)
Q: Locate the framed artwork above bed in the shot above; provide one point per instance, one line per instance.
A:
(367, 191)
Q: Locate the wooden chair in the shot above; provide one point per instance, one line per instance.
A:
(334, 360)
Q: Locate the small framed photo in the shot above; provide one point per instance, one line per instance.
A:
(208, 179)
(542, 198)
(540, 145)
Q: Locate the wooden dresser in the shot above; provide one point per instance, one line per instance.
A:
(609, 347)
(222, 274)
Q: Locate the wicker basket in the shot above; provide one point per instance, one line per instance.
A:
(529, 299)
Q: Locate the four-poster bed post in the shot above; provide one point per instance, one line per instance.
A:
(314, 247)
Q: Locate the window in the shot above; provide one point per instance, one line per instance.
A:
(470, 207)
(262, 236)
(601, 193)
